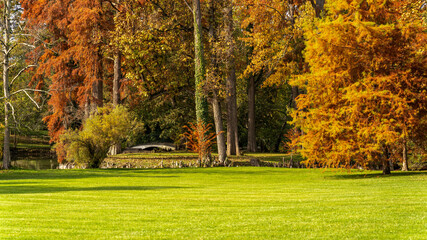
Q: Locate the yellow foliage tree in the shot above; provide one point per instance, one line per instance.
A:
(366, 93)
(108, 127)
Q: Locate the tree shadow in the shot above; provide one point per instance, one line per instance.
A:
(228, 170)
(79, 174)
(34, 189)
(360, 175)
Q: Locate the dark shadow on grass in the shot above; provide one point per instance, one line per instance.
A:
(361, 175)
(224, 171)
(80, 174)
(34, 189)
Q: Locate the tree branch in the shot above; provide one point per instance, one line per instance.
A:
(27, 89)
(188, 5)
(35, 103)
(28, 45)
(20, 72)
(13, 112)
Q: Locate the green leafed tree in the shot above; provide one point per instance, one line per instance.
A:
(88, 147)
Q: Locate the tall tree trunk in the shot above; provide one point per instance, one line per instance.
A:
(200, 72)
(386, 161)
(97, 94)
(6, 54)
(117, 79)
(232, 131)
(386, 167)
(251, 115)
(216, 105)
(405, 157)
(98, 86)
(220, 138)
(116, 148)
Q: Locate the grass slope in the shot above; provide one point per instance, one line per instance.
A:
(213, 203)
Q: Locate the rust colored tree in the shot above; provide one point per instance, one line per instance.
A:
(200, 139)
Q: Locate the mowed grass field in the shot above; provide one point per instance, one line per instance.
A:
(212, 203)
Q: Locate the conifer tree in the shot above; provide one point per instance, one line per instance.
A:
(366, 90)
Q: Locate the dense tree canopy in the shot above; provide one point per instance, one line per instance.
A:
(353, 73)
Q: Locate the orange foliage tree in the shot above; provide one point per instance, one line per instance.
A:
(366, 92)
(200, 139)
(71, 60)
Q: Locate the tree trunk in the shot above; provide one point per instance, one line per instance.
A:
(220, 138)
(6, 146)
(386, 162)
(405, 157)
(386, 167)
(216, 105)
(97, 95)
(116, 148)
(117, 79)
(251, 115)
(98, 87)
(6, 54)
(232, 131)
(199, 60)
(199, 75)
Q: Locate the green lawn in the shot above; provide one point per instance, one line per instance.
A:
(212, 203)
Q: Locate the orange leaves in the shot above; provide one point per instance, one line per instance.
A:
(199, 138)
(72, 53)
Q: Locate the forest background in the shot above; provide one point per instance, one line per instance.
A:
(341, 81)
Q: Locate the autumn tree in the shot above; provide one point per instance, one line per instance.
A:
(232, 131)
(106, 128)
(200, 69)
(274, 38)
(72, 60)
(156, 41)
(16, 40)
(366, 90)
(214, 78)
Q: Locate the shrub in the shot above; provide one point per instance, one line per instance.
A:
(200, 140)
(90, 146)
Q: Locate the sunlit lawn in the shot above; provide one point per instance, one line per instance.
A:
(213, 203)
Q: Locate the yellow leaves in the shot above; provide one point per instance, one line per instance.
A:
(271, 36)
(100, 131)
(359, 94)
